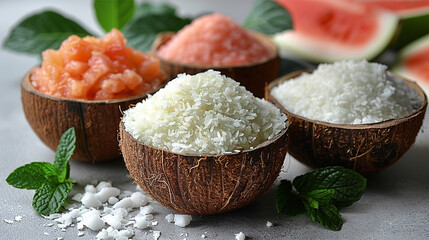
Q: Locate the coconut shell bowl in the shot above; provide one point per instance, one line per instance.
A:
(95, 122)
(253, 76)
(204, 184)
(366, 148)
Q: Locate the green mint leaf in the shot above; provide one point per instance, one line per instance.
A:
(42, 31)
(65, 150)
(32, 175)
(148, 9)
(142, 31)
(113, 13)
(287, 202)
(268, 17)
(347, 184)
(51, 196)
(327, 215)
(320, 196)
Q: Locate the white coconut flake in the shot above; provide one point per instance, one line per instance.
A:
(80, 234)
(93, 220)
(18, 218)
(112, 200)
(8, 221)
(240, 236)
(105, 193)
(182, 220)
(139, 199)
(170, 218)
(205, 113)
(269, 224)
(348, 92)
(89, 199)
(156, 235)
(146, 210)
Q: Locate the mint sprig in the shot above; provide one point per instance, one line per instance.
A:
(113, 13)
(268, 17)
(51, 181)
(320, 194)
(41, 31)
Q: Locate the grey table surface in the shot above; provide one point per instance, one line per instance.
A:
(395, 204)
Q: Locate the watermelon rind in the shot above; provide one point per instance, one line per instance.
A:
(404, 54)
(291, 42)
(414, 24)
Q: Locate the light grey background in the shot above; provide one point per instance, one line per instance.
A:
(394, 206)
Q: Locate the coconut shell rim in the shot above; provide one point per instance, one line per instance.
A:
(26, 84)
(382, 124)
(159, 41)
(261, 145)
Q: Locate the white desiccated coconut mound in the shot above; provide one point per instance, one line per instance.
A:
(240, 236)
(348, 92)
(206, 113)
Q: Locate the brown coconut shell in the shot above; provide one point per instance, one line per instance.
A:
(95, 122)
(203, 184)
(366, 148)
(254, 76)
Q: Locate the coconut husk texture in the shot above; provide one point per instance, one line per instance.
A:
(254, 76)
(95, 122)
(203, 185)
(365, 148)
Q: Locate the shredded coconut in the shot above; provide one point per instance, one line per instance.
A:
(348, 92)
(206, 113)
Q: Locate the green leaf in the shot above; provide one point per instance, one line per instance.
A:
(320, 196)
(148, 9)
(327, 215)
(51, 196)
(32, 175)
(287, 202)
(42, 31)
(65, 150)
(113, 13)
(142, 31)
(347, 184)
(268, 17)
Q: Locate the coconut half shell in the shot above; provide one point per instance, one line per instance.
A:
(366, 148)
(95, 122)
(203, 185)
(254, 76)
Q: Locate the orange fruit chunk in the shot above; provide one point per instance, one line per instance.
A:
(92, 68)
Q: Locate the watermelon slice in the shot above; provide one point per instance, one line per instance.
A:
(332, 30)
(414, 16)
(413, 62)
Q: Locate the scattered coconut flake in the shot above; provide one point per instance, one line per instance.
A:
(105, 193)
(46, 233)
(154, 223)
(90, 188)
(125, 194)
(102, 185)
(90, 200)
(93, 220)
(48, 224)
(124, 203)
(182, 220)
(170, 218)
(348, 92)
(240, 236)
(212, 114)
(269, 224)
(18, 218)
(156, 235)
(60, 238)
(112, 200)
(203, 236)
(77, 197)
(8, 221)
(139, 199)
(146, 210)
(113, 220)
(141, 222)
(80, 234)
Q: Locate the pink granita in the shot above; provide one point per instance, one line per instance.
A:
(214, 40)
